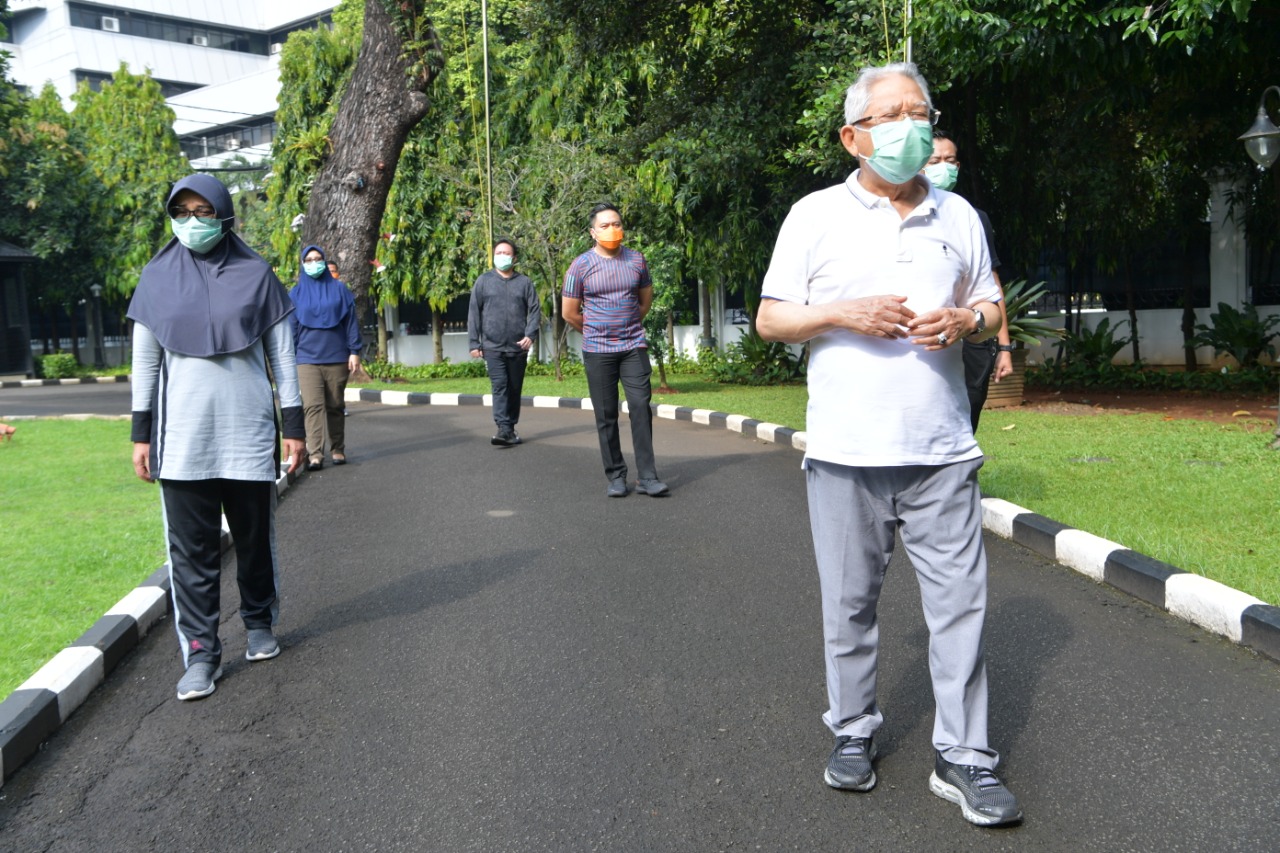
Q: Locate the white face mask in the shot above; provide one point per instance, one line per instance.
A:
(503, 262)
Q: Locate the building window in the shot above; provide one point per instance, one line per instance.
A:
(253, 134)
(195, 33)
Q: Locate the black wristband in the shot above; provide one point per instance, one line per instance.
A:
(1004, 347)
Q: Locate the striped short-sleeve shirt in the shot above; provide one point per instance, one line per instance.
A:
(609, 290)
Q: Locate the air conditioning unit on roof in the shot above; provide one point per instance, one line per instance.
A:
(200, 41)
(110, 25)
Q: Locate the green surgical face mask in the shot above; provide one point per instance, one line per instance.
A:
(901, 149)
(315, 269)
(197, 234)
(942, 175)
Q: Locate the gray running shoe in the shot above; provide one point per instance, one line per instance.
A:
(983, 798)
(849, 767)
(618, 488)
(262, 645)
(199, 680)
(653, 488)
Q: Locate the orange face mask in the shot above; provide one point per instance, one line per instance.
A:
(609, 237)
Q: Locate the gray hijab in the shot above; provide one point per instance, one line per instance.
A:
(212, 304)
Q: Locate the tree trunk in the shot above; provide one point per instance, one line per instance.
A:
(1188, 313)
(381, 104)
(437, 335)
(1131, 299)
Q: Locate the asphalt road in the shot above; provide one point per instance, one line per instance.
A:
(483, 653)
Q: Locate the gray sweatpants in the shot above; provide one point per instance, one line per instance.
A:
(854, 513)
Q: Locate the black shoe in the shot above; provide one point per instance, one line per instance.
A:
(501, 439)
(513, 439)
(849, 767)
(983, 799)
(618, 488)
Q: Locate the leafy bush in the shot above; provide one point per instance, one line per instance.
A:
(1019, 296)
(389, 371)
(754, 361)
(1242, 334)
(1095, 348)
(386, 371)
(1065, 375)
(59, 365)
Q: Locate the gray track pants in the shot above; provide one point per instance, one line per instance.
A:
(854, 514)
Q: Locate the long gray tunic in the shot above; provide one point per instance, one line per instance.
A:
(214, 417)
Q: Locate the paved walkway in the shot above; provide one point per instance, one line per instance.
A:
(483, 653)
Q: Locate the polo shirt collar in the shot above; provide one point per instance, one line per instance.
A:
(872, 201)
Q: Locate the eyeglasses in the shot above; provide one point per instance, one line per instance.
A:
(917, 114)
(198, 212)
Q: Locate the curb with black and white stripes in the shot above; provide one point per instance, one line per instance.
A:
(1213, 606)
(44, 702)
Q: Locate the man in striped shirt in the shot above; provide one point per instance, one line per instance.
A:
(606, 295)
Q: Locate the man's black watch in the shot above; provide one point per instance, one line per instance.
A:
(1004, 347)
(982, 322)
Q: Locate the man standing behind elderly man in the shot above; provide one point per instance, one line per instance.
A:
(884, 276)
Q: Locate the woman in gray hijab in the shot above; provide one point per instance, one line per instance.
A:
(209, 334)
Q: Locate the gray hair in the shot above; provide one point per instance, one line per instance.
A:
(859, 94)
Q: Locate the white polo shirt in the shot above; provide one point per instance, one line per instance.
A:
(878, 401)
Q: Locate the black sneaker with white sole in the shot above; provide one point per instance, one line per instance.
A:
(849, 767)
(982, 797)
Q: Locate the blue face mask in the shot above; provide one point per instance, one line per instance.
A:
(315, 269)
(901, 149)
(197, 234)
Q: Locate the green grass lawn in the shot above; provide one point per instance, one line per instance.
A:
(78, 530)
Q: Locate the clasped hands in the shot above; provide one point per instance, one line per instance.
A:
(889, 317)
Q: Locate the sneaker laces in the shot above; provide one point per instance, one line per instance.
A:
(983, 778)
(854, 746)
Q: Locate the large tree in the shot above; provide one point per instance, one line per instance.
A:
(381, 103)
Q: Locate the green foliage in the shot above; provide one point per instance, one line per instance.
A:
(59, 365)
(127, 133)
(1066, 375)
(315, 66)
(1244, 335)
(384, 371)
(751, 360)
(1095, 348)
(1023, 327)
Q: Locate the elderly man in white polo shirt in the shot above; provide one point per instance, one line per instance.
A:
(884, 277)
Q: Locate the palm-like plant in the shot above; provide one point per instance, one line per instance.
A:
(1024, 328)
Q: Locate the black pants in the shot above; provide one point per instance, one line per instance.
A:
(506, 378)
(979, 362)
(193, 526)
(604, 371)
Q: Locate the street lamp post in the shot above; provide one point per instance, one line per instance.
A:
(99, 361)
(1262, 142)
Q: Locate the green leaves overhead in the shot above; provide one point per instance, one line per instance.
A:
(126, 130)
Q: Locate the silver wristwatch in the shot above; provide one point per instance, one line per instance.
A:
(982, 322)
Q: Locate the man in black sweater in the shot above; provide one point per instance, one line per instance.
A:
(502, 324)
